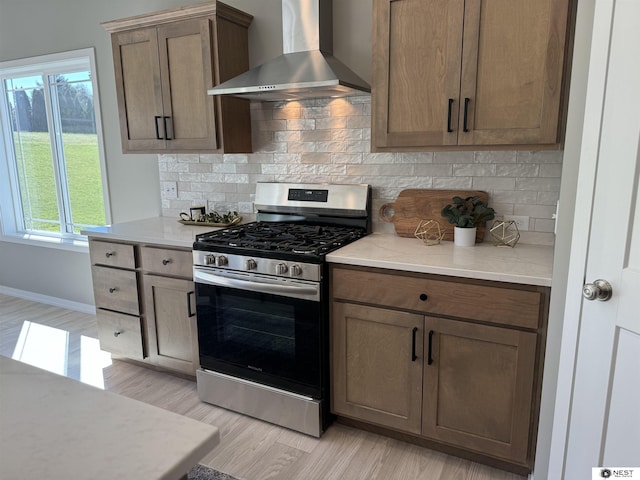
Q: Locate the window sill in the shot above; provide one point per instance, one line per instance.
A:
(70, 244)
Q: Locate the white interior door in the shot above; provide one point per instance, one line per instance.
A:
(604, 425)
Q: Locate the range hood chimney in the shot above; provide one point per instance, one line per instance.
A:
(307, 68)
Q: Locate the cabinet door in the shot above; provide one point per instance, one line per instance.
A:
(377, 365)
(478, 387)
(138, 88)
(171, 323)
(416, 72)
(512, 70)
(186, 71)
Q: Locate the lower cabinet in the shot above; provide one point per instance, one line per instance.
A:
(145, 305)
(377, 372)
(478, 386)
(459, 383)
(171, 323)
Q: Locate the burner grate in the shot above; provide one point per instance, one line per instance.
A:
(295, 238)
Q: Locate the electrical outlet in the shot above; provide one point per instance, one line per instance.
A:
(170, 189)
(522, 221)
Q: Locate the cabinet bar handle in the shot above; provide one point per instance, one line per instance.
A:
(449, 129)
(465, 127)
(157, 117)
(414, 357)
(189, 311)
(430, 355)
(166, 132)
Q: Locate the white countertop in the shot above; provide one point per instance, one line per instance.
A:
(524, 264)
(157, 230)
(56, 428)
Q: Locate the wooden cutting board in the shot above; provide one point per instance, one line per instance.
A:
(414, 205)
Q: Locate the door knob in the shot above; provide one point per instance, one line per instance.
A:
(598, 290)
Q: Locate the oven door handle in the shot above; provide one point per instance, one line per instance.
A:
(309, 292)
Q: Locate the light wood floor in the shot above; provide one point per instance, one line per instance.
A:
(250, 449)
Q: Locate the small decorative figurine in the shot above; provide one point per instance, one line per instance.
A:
(430, 232)
(505, 233)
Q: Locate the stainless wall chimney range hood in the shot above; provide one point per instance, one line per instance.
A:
(307, 68)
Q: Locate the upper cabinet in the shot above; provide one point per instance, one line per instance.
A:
(164, 64)
(474, 73)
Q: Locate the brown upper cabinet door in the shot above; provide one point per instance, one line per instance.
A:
(165, 62)
(186, 72)
(417, 47)
(138, 87)
(474, 73)
(512, 71)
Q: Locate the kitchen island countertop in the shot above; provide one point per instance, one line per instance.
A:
(523, 264)
(54, 427)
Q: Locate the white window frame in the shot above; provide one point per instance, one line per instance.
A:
(10, 201)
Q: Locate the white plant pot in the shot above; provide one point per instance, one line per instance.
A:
(464, 237)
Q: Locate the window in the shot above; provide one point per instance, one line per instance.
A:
(53, 184)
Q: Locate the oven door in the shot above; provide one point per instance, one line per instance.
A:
(262, 329)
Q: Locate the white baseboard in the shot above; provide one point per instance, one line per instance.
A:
(46, 299)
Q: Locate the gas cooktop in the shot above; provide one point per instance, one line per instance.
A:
(293, 240)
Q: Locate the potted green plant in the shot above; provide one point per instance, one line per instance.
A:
(466, 214)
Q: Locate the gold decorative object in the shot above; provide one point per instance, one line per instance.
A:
(430, 232)
(505, 233)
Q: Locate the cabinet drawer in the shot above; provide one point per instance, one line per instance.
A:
(112, 254)
(115, 289)
(120, 334)
(506, 306)
(166, 261)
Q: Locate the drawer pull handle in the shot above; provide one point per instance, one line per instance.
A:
(166, 261)
(113, 289)
(449, 129)
(109, 254)
(465, 127)
(190, 312)
(430, 356)
(117, 333)
(423, 297)
(414, 357)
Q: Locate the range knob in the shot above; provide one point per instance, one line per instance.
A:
(295, 271)
(281, 268)
(221, 261)
(209, 259)
(250, 264)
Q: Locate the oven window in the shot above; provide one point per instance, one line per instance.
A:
(262, 337)
(267, 328)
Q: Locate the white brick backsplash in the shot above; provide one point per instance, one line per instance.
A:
(495, 157)
(553, 170)
(536, 211)
(453, 157)
(451, 183)
(538, 184)
(548, 198)
(325, 140)
(422, 157)
(467, 170)
(519, 170)
(494, 183)
(433, 170)
(346, 158)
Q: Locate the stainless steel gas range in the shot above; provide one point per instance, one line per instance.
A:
(262, 302)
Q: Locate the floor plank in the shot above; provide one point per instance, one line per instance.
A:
(250, 449)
